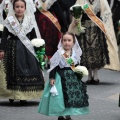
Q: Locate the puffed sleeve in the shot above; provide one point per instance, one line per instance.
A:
(32, 34)
(53, 73)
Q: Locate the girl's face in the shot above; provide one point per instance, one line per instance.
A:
(67, 42)
(19, 8)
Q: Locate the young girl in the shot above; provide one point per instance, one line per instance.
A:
(24, 78)
(72, 98)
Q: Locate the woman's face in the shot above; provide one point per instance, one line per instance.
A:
(19, 8)
(67, 42)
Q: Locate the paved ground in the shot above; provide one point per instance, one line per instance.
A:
(103, 99)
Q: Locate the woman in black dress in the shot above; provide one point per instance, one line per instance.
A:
(24, 78)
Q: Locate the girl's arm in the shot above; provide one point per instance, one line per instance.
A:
(52, 76)
(3, 42)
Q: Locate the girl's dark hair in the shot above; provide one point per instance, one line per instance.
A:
(17, 1)
(69, 33)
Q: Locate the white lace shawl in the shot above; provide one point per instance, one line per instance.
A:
(32, 8)
(29, 20)
(57, 59)
(1, 11)
(48, 3)
(26, 26)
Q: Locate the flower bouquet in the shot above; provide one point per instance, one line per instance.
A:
(76, 11)
(39, 46)
(81, 71)
(118, 34)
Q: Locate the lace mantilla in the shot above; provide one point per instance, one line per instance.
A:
(26, 26)
(57, 59)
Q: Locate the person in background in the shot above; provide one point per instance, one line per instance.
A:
(71, 97)
(65, 5)
(24, 79)
(98, 50)
(51, 23)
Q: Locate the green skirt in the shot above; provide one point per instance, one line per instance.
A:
(54, 105)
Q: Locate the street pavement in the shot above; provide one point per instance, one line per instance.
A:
(103, 100)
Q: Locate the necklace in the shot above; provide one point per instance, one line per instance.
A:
(20, 21)
(68, 54)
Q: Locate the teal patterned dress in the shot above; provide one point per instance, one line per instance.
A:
(72, 98)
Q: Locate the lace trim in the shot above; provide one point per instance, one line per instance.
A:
(94, 46)
(26, 26)
(74, 90)
(14, 82)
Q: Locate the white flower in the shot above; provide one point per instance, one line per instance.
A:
(76, 5)
(37, 42)
(1, 27)
(81, 69)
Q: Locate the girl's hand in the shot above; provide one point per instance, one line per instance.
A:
(52, 82)
(1, 55)
(75, 22)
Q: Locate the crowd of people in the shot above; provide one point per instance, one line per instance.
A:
(95, 44)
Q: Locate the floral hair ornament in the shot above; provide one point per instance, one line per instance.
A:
(39, 46)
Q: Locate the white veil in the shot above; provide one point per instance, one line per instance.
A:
(30, 9)
(76, 47)
(56, 58)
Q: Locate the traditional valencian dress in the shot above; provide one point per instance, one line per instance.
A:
(98, 41)
(24, 78)
(72, 98)
(93, 43)
(51, 23)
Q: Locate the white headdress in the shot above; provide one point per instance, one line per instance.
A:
(29, 14)
(76, 47)
(57, 58)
